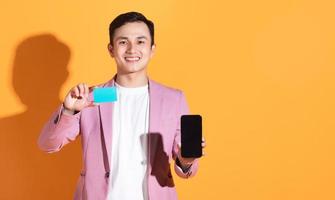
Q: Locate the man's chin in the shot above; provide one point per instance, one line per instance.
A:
(131, 71)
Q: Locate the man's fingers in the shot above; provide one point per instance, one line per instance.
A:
(203, 143)
(81, 90)
(86, 91)
(75, 90)
(92, 88)
(72, 93)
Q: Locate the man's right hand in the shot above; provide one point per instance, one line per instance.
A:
(77, 99)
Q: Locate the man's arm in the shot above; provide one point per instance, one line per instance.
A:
(63, 126)
(182, 170)
(60, 129)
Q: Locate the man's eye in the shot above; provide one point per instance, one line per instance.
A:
(122, 42)
(141, 42)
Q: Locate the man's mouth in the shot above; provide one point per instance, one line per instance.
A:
(132, 59)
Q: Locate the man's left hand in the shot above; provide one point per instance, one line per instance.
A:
(187, 162)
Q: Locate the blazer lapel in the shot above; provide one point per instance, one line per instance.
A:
(106, 115)
(155, 108)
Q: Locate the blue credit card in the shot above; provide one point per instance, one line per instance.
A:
(102, 95)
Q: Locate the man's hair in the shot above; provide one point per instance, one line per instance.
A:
(128, 17)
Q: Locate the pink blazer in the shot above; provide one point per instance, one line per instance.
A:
(94, 125)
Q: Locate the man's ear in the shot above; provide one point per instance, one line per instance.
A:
(110, 49)
(153, 49)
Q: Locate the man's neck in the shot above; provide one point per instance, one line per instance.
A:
(132, 79)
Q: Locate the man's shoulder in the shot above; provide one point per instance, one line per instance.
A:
(165, 88)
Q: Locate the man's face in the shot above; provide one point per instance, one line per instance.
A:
(131, 47)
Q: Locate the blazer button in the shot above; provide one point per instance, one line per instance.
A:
(107, 175)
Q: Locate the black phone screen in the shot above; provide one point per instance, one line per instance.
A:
(191, 136)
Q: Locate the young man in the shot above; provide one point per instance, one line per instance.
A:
(128, 144)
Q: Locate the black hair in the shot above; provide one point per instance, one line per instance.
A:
(128, 17)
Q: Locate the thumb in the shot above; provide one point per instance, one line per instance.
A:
(90, 89)
(179, 145)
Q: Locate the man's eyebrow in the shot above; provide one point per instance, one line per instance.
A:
(142, 37)
(121, 38)
(125, 38)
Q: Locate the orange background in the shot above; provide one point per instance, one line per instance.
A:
(261, 73)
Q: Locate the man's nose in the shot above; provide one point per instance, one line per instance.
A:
(131, 48)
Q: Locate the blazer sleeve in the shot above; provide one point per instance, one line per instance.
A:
(183, 110)
(59, 130)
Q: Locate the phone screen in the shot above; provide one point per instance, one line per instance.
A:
(191, 136)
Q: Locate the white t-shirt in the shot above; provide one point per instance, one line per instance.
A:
(128, 179)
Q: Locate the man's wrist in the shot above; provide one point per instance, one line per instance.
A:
(68, 111)
(185, 167)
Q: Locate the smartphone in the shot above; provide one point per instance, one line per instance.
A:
(103, 95)
(191, 136)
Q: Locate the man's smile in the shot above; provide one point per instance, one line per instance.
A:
(132, 58)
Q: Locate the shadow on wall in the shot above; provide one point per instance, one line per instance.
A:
(39, 70)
